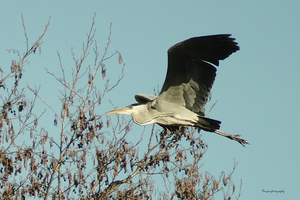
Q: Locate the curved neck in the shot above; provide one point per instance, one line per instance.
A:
(142, 115)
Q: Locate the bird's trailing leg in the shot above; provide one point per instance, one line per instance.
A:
(232, 137)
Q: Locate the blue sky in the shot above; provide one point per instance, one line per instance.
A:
(257, 88)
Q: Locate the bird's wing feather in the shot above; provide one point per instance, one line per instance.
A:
(144, 98)
(191, 73)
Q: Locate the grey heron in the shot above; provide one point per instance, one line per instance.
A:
(190, 76)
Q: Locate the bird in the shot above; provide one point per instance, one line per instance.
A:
(190, 75)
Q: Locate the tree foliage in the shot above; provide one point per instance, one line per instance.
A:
(89, 156)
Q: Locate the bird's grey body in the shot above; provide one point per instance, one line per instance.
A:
(164, 115)
(189, 79)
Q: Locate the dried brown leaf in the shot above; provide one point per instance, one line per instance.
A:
(120, 58)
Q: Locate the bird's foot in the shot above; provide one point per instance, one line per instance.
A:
(232, 137)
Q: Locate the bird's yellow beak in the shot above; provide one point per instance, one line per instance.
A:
(118, 111)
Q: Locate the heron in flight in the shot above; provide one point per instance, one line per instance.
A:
(190, 76)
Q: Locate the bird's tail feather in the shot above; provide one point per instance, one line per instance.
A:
(208, 124)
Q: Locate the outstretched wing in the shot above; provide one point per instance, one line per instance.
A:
(191, 73)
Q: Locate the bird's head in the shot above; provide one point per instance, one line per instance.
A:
(128, 110)
(138, 112)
